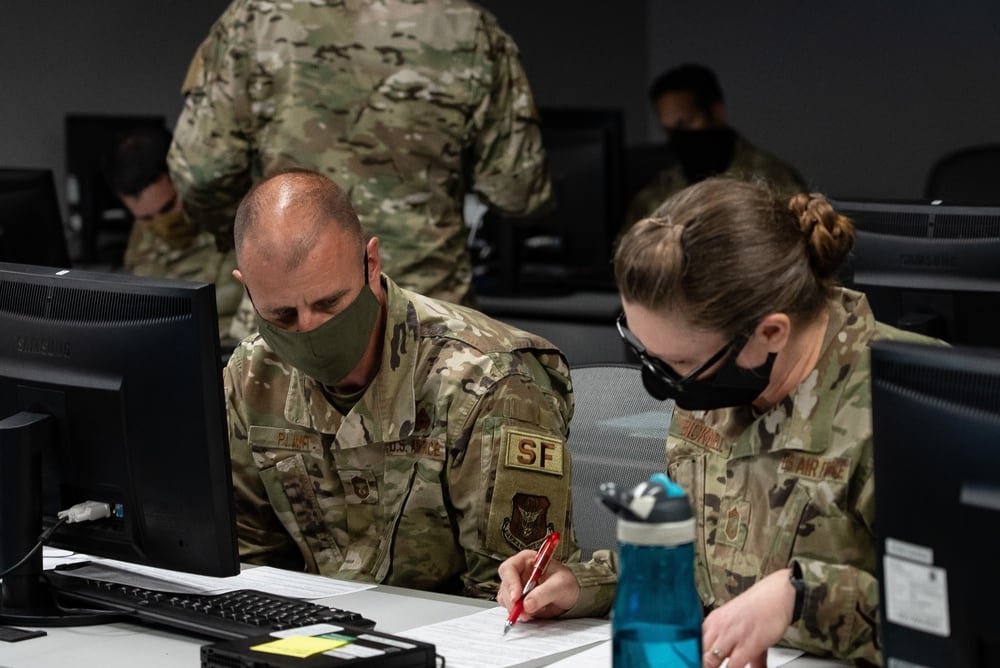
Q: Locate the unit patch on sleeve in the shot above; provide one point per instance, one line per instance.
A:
(532, 451)
(528, 523)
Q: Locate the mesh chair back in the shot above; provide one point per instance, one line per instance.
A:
(618, 433)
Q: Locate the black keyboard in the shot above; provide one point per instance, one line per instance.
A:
(233, 615)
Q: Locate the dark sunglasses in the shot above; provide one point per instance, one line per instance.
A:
(661, 370)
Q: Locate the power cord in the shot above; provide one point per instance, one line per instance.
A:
(81, 512)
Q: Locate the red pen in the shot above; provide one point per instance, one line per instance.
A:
(537, 568)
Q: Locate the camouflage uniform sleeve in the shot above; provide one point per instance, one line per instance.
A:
(840, 606)
(262, 539)
(211, 154)
(598, 579)
(504, 503)
(509, 168)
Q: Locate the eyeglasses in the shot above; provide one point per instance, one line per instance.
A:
(661, 370)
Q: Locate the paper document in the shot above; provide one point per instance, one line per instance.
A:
(477, 640)
(599, 656)
(262, 578)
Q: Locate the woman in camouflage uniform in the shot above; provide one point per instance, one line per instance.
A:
(731, 302)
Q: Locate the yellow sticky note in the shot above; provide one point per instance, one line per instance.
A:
(299, 646)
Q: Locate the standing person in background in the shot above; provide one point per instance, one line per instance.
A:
(163, 243)
(409, 106)
(731, 303)
(689, 106)
(376, 434)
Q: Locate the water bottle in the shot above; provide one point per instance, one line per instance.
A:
(656, 619)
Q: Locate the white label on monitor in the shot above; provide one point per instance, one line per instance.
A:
(916, 596)
(909, 551)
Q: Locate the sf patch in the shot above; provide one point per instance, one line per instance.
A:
(528, 523)
(532, 451)
(530, 488)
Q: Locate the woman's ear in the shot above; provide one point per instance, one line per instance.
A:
(774, 331)
(770, 336)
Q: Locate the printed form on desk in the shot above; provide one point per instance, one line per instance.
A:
(599, 656)
(305, 586)
(477, 640)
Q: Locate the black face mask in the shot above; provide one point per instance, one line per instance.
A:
(703, 153)
(730, 385)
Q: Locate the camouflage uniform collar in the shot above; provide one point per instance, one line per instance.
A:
(387, 409)
(845, 343)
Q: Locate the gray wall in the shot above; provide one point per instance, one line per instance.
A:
(90, 56)
(860, 96)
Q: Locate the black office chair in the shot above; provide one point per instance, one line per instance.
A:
(969, 175)
(618, 433)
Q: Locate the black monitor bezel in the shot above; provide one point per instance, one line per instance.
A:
(148, 350)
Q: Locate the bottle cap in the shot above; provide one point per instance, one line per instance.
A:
(655, 512)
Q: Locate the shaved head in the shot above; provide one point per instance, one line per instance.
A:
(282, 217)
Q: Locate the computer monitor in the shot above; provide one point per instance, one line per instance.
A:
(110, 391)
(936, 428)
(929, 268)
(31, 225)
(570, 247)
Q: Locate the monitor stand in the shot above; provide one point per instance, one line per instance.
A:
(25, 597)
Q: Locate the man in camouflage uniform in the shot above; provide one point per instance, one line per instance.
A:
(392, 437)
(792, 488)
(162, 242)
(407, 105)
(689, 106)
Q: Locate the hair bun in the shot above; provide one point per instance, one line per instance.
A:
(829, 235)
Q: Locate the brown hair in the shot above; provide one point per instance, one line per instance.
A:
(725, 253)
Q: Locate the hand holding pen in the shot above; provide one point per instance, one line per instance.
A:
(537, 569)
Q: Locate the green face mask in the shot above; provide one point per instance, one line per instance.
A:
(332, 350)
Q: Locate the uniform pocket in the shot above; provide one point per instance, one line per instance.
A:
(426, 552)
(689, 473)
(307, 495)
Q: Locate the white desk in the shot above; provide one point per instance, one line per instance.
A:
(130, 645)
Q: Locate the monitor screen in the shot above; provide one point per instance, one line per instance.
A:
(111, 391)
(929, 268)
(936, 429)
(569, 247)
(31, 225)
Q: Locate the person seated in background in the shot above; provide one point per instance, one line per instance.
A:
(689, 106)
(731, 304)
(162, 242)
(377, 434)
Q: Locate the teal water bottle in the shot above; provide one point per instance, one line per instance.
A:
(657, 615)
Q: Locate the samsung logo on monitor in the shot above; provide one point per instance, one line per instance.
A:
(30, 345)
(928, 260)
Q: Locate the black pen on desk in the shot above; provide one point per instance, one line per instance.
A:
(537, 568)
